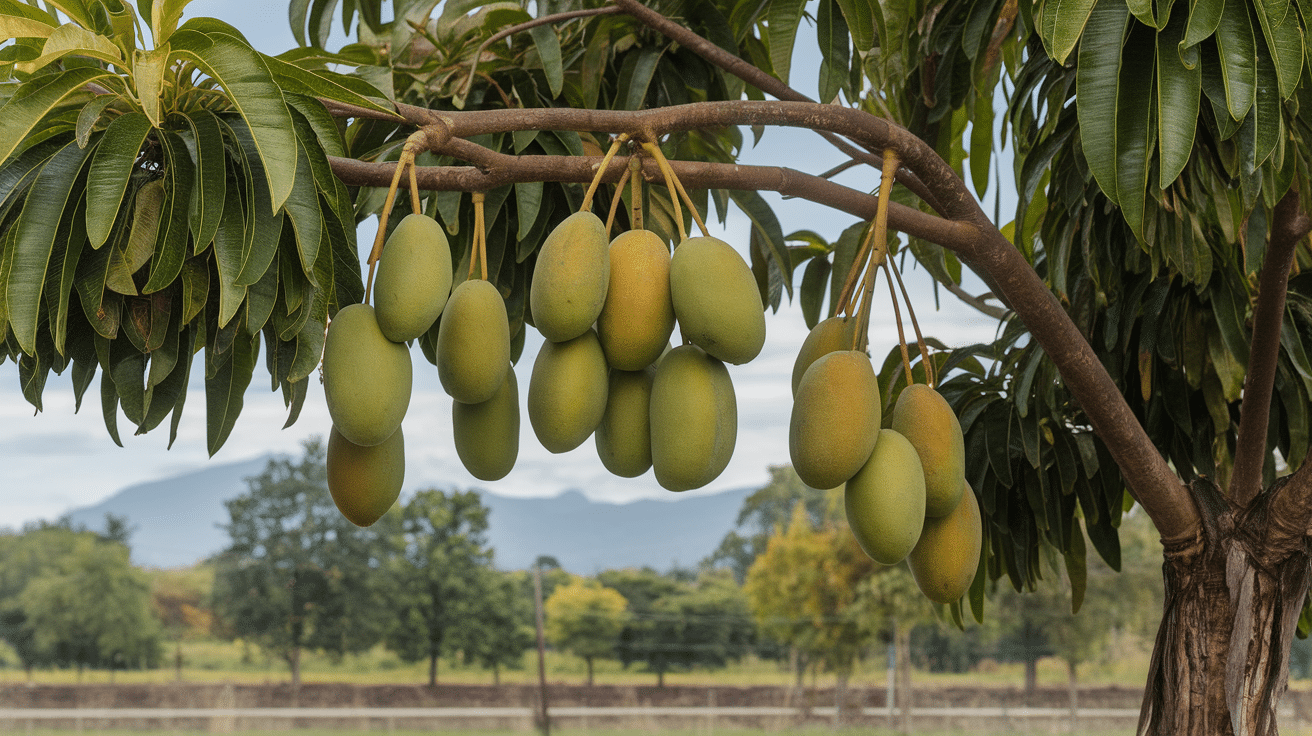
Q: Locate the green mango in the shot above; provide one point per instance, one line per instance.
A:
(487, 434)
(366, 377)
(473, 343)
(567, 392)
(365, 481)
(694, 419)
(716, 300)
(413, 279)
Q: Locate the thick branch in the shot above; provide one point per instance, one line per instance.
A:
(498, 169)
(1289, 226)
(986, 251)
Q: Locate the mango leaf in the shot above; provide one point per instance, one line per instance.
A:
(329, 85)
(187, 343)
(548, 46)
(1062, 24)
(765, 223)
(1268, 123)
(1204, 17)
(228, 244)
(241, 71)
(171, 242)
(633, 85)
(89, 116)
(1077, 570)
(114, 162)
(814, 279)
(1135, 132)
(148, 69)
(302, 209)
(1284, 42)
(207, 191)
(1097, 79)
(981, 145)
(832, 35)
(37, 229)
(528, 201)
(70, 39)
(1238, 55)
(261, 227)
(782, 19)
(224, 391)
(860, 17)
(164, 18)
(36, 99)
(20, 20)
(62, 273)
(1178, 92)
(1143, 11)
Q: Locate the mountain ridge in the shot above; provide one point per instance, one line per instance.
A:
(176, 521)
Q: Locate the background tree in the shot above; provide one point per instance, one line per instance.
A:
(501, 628)
(585, 619)
(440, 565)
(765, 510)
(91, 608)
(1158, 214)
(297, 575)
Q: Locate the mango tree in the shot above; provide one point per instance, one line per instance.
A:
(159, 198)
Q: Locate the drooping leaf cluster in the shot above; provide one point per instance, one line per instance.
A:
(157, 201)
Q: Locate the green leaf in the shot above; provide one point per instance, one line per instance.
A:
(764, 221)
(1063, 23)
(328, 85)
(860, 17)
(1178, 92)
(262, 227)
(1097, 79)
(164, 19)
(1268, 123)
(20, 20)
(207, 191)
(1238, 54)
(832, 35)
(639, 79)
(981, 144)
(296, 13)
(528, 200)
(148, 69)
(1143, 11)
(114, 162)
(89, 116)
(814, 280)
(1135, 132)
(1204, 17)
(303, 210)
(70, 39)
(37, 229)
(1076, 567)
(187, 347)
(229, 242)
(109, 405)
(782, 19)
(171, 243)
(225, 390)
(36, 99)
(1284, 41)
(241, 71)
(548, 46)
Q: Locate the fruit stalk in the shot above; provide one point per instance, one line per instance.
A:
(878, 247)
(670, 180)
(635, 193)
(601, 170)
(930, 377)
(615, 202)
(478, 246)
(901, 334)
(415, 143)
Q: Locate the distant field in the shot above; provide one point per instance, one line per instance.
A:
(218, 661)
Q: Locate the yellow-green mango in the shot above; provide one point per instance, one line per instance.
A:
(624, 435)
(487, 434)
(828, 336)
(638, 318)
(413, 279)
(945, 559)
(924, 417)
(365, 481)
(567, 392)
(835, 419)
(366, 377)
(694, 419)
(716, 300)
(570, 278)
(885, 500)
(473, 343)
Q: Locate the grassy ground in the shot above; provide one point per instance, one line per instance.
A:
(218, 661)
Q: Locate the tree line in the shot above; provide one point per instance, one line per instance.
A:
(787, 583)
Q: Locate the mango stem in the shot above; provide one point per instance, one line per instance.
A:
(930, 374)
(615, 201)
(601, 170)
(668, 173)
(478, 244)
(407, 159)
(635, 194)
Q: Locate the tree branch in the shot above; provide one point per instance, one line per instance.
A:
(755, 76)
(978, 302)
(1290, 224)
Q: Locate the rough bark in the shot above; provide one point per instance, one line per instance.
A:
(1233, 596)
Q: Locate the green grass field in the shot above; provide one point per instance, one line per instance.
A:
(219, 661)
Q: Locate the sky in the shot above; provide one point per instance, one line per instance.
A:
(58, 459)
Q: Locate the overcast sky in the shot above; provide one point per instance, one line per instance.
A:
(57, 460)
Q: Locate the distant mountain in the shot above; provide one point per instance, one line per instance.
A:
(176, 520)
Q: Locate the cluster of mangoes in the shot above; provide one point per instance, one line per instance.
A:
(367, 373)
(608, 312)
(905, 488)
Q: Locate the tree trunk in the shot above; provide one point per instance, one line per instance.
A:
(660, 677)
(1073, 685)
(1233, 595)
(496, 675)
(1031, 678)
(902, 635)
(294, 663)
(432, 669)
(589, 661)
